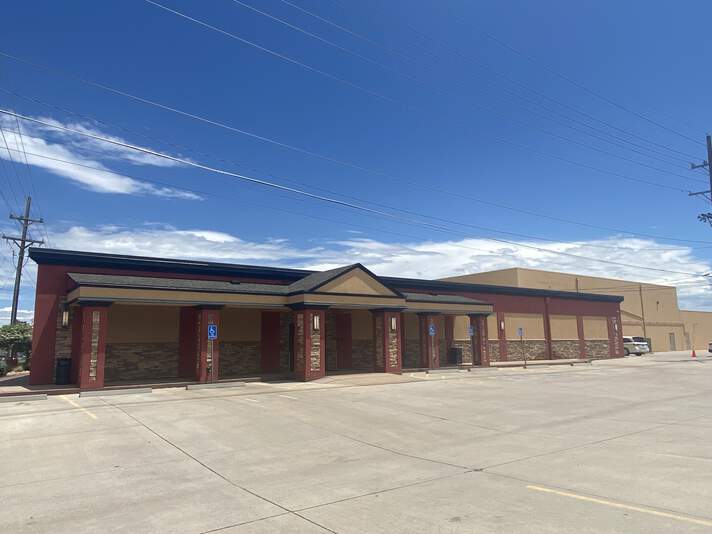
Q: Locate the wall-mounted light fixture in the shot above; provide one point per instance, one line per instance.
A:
(315, 322)
(394, 324)
(65, 316)
(501, 325)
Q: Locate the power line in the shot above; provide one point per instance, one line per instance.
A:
(485, 66)
(272, 52)
(287, 58)
(581, 86)
(444, 192)
(322, 198)
(305, 151)
(493, 230)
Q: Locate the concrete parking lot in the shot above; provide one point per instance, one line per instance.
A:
(614, 446)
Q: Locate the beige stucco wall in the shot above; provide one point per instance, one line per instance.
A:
(240, 325)
(356, 282)
(699, 326)
(563, 327)
(595, 328)
(492, 327)
(659, 305)
(461, 328)
(532, 323)
(142, 324)
(504, 277)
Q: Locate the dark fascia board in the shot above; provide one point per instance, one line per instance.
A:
(440, 285)
(45, 256)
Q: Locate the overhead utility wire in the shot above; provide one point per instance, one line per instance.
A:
(86, 117)
(666, 158)
(305, 151)
(581, 86)
(281, 56)
(481, 64)
(272, 52)
(459, 223)
(322, 198)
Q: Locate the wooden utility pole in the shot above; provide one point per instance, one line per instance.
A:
(23, 243)
(705, 164)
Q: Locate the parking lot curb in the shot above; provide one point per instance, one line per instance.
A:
(107, 392)
(212, 385)
(23, 398)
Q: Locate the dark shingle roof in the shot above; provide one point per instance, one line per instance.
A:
(314, 280)
(178, 284)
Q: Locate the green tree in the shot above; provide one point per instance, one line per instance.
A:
(16, 338)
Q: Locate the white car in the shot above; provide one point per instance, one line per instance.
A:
(635, 345)
(709, 349)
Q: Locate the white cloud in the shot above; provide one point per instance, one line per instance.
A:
(80, 159)
(25, 316)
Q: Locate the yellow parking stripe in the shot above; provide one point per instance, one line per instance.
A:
(612, 504)
(70, 401)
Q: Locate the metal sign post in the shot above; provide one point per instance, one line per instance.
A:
(520, 333)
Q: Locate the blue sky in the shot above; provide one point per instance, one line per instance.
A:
(424, 105)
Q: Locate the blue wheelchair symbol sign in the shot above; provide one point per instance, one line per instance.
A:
(431, 330)
(212, 331)
(471, 330)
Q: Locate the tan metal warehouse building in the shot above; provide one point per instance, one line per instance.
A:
(648, 310)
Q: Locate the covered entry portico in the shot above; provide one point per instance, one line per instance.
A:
(147, 328)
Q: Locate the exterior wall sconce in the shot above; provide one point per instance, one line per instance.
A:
(394, 324)
(65, 316)
(315, 322)
(501, 325)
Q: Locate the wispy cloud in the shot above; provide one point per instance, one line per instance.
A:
(82, 160)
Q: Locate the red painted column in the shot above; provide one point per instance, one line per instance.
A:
(344, 341)
(269, 342)
(449, 324)
(502, 337)
(309, 344)
(208, 350)
(92, 347)
(389, 352)
(429, 344)
(581, 337)
(479, 339)
(76, 343)
(187, 348)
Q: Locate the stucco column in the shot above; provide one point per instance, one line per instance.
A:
(309, 343)
(207, 359)
(92, 345)
(387, 337)
(479, 339)
(429, 341)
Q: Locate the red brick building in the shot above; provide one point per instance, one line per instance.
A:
(137, 319)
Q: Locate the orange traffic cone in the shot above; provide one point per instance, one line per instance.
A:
(694, 354)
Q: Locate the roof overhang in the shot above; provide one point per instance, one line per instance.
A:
(179, 292)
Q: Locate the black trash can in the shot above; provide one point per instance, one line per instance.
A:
(63, 373)
(455, 356)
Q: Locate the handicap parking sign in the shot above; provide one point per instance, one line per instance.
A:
(212, 331)
(431, 330)
(471, 330)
